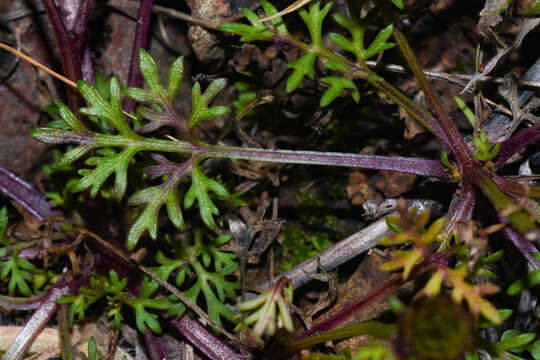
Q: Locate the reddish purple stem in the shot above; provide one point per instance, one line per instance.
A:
(346, 313)
(70, 38)
(525, 247)
(155, 344)
(140, 41)
(517, 143)
(203, 339)
(23, 193)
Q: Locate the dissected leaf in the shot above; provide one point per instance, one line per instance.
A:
(154, 197)
(337, 86)
(199, 102)
(212, 285)
(105, 166)
(200, 186)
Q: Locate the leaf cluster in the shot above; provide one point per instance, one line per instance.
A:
(304, 66)
(269, 311)
(113, 290)
(113, 152)
(410, 230)
(22, 276)
(201, 270)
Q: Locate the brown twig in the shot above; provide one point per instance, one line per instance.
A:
(456, 79)
(168, 12)
(113, 344)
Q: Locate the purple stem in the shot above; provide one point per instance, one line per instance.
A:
(418, 166)
(461, 209)
(349, 311)
(515, 189)
(23, 193)
(87, 66)
(35, 324)
(155, 344)
(525, 247)
(70, 39)
(517, 143)
(22, 303)
(140, 41)
(203, 339)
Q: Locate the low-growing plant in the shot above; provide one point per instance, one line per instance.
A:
(154, 160)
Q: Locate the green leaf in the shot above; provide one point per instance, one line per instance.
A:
(303, 66)
(70, 119)
(167, 266)
(202, 257)
(105, 166)
(379, 44)
(337, 86)
(530, 280)
(154, 197)
(504, 313)
(397, 3)
(92, 349)
(200, 110)
(141, 95)
(466, 110)
(356, 46)
(206, 283)
(3, 225)
(493, 258)
(512, 340)
(150, 74)
(314, 20)
(174, 80)
(255, 31)
(534, 349)
(102, 86)
(109, 111)
(278, 22)
(140, 304)
(223, 261)
(200, 186)
(19, 271)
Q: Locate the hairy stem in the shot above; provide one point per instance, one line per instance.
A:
(450, 134)
(525, 247)
(418, 166)
(517, 216)
(343, 315)
(70, 39)
(461, 209)
(203, 339)
(517, 143)
(35, 325)
(23, 193)
(139, 42)
(373, 328)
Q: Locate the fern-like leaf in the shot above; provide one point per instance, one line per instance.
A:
(200, 186)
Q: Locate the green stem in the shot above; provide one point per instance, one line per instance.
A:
(518, 217)
(373, 328)
(449, 134)
(363, 72)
